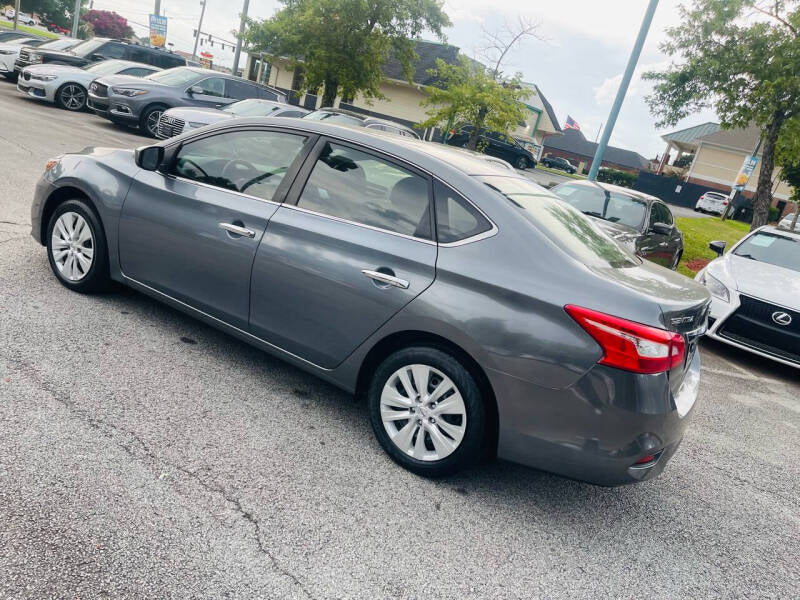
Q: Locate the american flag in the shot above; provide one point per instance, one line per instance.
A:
(571, 124)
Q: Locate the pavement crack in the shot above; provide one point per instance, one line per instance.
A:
(138, 449)
(11, 240)
(17, 144)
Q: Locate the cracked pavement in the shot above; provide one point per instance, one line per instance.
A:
(146, 455)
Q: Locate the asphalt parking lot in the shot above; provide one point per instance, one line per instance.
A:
(146, 455)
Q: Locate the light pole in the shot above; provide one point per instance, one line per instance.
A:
(76, 17)
(157, 9)
(239, 39)
(623, 89)
(16, 14)
(199, 29)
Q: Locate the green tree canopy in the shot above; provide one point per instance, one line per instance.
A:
(58, 11)
(742, 60)
(342, 45)
(469, 92)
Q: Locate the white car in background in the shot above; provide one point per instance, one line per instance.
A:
(786, 222)
(712, 202)
(9, 51)
(178, 120)
(755, 294)
(66, 86)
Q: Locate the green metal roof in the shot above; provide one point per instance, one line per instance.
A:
(690, 134)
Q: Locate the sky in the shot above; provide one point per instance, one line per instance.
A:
(577, 64)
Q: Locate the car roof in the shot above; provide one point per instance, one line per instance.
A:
(426, 155)
(794, 235)
(618, 189)
(367, 119)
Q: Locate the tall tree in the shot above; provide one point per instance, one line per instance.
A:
(106, 23)
(469, 92)
(342, 45)
(58, 11)
(787, 157)
(742, 59)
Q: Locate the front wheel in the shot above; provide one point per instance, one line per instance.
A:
(76, 247)
(522, 163)
(426, 411)
(150, 118)
(71, 96)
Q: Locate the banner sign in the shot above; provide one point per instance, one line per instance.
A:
(748, 166)
(158, 31)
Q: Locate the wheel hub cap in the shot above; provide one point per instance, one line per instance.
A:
(72, 246)
(423, 412)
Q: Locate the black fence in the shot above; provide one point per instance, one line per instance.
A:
(670, 189)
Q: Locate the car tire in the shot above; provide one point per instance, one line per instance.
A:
(149, 120)
(77, 248)
(521, 163)
(71, 96)
(452, 425)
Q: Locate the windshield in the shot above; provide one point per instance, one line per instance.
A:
(105, 67)
(251, 108)
(84, 49)
(563, 225)
(770, 248)
(332, 117)
(610, 206)
(21, 42)
(178, 76)
(59, 44)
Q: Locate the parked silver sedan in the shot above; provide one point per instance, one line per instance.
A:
(471, 309)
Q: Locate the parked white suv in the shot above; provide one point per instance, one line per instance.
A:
(712, 202)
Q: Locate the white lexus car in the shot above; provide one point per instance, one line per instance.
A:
(755, 289)
(66, 86)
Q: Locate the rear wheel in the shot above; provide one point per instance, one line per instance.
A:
(71, 96)
(426, 411)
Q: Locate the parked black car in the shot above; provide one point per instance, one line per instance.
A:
(638, 221)
(348, 117)
(556, 162)
(97, 49)
(500, 145)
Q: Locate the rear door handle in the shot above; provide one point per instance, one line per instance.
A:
(385, 278)
(237, 230)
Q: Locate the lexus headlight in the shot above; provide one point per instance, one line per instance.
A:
(129, 92)
(716, 287)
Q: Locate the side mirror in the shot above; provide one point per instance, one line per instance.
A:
(149, 158)
(662, 228)
(195, 89)
(97, 57)
(717, 246)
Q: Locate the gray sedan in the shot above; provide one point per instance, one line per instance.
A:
(469, 308)
(643, 223)
(140, 102)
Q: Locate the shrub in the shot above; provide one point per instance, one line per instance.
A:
(616, 177)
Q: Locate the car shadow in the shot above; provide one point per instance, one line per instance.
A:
(758, 365)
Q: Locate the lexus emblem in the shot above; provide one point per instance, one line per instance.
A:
(782, 318)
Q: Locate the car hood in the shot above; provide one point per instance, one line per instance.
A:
(199, 115)
(131, 81)
(759, 279)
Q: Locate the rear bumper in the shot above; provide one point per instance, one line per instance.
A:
(597, 429)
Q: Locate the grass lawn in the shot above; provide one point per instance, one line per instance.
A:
(540, 167)
(31, 30)
(697, 233)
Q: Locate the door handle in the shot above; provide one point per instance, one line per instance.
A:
(385, 278)
(237, 230)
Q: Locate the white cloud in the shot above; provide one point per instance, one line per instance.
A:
(605, 93)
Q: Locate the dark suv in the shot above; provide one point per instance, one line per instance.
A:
(500, 145)
(97, 49)
(556, 162)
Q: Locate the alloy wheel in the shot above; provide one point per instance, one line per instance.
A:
(72, 246)
(73, 97)
(152, 121)
(423, 412)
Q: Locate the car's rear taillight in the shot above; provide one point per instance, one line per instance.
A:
(628, 345)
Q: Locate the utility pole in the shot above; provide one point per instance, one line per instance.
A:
(242, 25)
(16, 15)
(199, 29)
(76, 18)
(623, 89)
(157, 9)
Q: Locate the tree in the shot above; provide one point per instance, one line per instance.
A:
(746, 68)
(787, 157)
(342, 45)
(468, 91)
(480, 95)
(106, 23)
(58, 11)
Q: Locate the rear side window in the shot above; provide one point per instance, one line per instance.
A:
(267, 95)
(240, 90)
(363, 188)
(456, 219)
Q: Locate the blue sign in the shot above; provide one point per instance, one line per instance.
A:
(158, 31)
(748, 166)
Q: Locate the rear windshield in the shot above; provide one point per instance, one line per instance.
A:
(609, 206)
(773, 249)
(84, 49)
(563, 225)
(332, 117)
